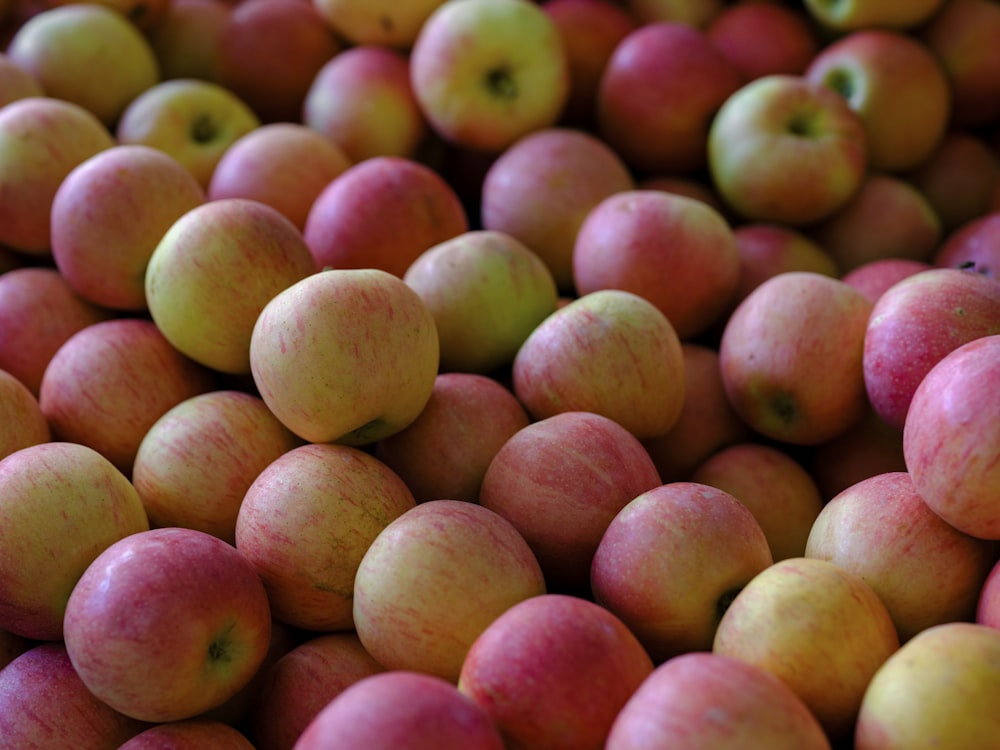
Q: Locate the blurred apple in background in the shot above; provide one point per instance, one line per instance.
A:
(145, 14)
(388, 23)
(553, 671)
(690, 186)
(874, 277)
(206, 732)
(895, 14)
(185, 39)
(512, 76)
(988, 604)
(692, 12)
(108, 216)
(973, 246)
(762, 38)
(16, 82)
(22, 423)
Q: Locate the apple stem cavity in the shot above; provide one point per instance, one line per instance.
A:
(203, 129)
(841, 82)
(725, 600)
(501, 82)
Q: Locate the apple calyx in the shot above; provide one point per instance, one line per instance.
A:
(500, 83)
(219, 650)
(203, 129)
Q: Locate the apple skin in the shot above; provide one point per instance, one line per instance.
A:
(938, 688)
(41, 140)
(816, 626)
(951, 437)
(185, 39)
(553, 671)
(383, 213)
(144, 14)
(603, 466)
(914, 324)
(403, 710)
(764, 38)
(610, 352)
(22, 423)
(541, 188)
(61, 505)
(419, 603)
(786, 150)
(16, 82)
(861, 14)
(988, 603)
(697, 13)
(480, 411)
(388, 23)
(790, 356)
(306, 521)
(189, 734)
(44, 704)
(873, 277)
(703, 701)
(329, 379)
(283, 164)
(972, 246)
(135, 656)
(108, 216)
(515, 81)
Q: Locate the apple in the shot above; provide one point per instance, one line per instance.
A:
(433, 579)
(787, 150)
(22, 423)
(696, 13)
(329, 379)
(305, 522)
(193, 120)
(213, 271)
(283, 164)
(972, 246)
(764, 38)
(362, 100)
(936, 689)
(816, 626)
(486, 72)
(705, 701)
(950, 438)
(41, 140)
(658, 566)
(553, 671)
(678, 253)
(388, 23)
(144, 14)
(109, 214)
(790, 356)
(610, 352)
(196, 462)
(185, 39)
(16, 82)
(195, 732)
(862, 14)
(988, 603)
(914, 324)
(382, 213)
(89, 54)
(601, 467)
(873, 277)
(660, 89)
(690, 186)
(541, 188)
(404, 710)
(487, 291)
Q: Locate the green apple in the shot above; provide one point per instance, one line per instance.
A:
(388, 23)
(847, 15)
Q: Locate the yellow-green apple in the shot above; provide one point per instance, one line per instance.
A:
(601, 468)
(873, 277)
(973, 246)
(196, 463)
(109, 382)
(951, 438)
(16, 81)
(915, 323)
(22, 423)
(446, 450)
(193, 120)
(212, 272)
(988, 603)
(44, 704)
(328, 378)
(61, 505)
(696, 13)
(590, 30)
(553, 671)
(382, 213)
(132, 651)
(937, 690)
(434, 579)
(269, 53)
(786, 150)
(362, 100)
(403, 709)
(88, 54)
(778, 490)
(763, 38)
(541, 188)
(283, 164)
(816, 626)
(678, 253)
(302, 682)
(660, 89)
(707, 421)
(924, 570)
(194, 732)
(660, 566)
(863, 14)
(706, 701)
(388, 23)
(108, 216)
(144, 14)
(486, 72)
(610, 352)
(306, 521)
(487, 292)
(185, 39)
(39, 311)
(791, 356)
(42, 139)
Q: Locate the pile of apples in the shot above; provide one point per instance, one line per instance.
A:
(499, 374)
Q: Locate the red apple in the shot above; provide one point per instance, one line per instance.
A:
(189, 733)
(873, 277)
(185, 39)
(763, 38)
(22, 423)
(973, 246)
